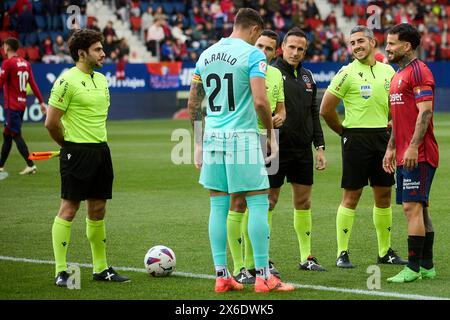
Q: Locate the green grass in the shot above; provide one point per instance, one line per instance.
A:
(157, 202)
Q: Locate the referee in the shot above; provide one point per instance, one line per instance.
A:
(363, 85)
(76, 120)
(300, 130)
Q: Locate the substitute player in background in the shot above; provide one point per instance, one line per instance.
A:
(15, 74)
(364, 87)
(237, 221)
(413, 146)
(231, 74)
(76, 120)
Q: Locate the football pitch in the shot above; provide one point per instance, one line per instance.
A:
(157, 202)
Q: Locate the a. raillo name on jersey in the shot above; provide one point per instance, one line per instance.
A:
(221, 56)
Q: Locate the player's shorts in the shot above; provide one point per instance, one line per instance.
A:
(362, 158)
(296, 167)
(415, 185)
(86, 171)
(13, 122)
(233, 167)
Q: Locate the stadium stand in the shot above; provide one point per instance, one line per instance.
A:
(180, 30)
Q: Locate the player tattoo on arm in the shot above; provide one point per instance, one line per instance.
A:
(423, 120)
(196, 96)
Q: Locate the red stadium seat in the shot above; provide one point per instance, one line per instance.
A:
(437, 37)
(348, 10)
(360, 11)
(33, 54)
(22, 52)
(380, 37)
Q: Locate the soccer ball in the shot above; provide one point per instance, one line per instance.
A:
(160, 261)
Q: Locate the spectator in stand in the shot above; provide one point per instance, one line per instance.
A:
(387, 19)
(317, 54)
(298, 20)
(432, 22)
(331, 19)
(215, 11)
(155, 35)
(135, 8)
(286, 8)
(52, 12)
(113, 57)
(192, 57)
(19, 7)
(61, 50)
(311, 9)
(63, 5)
(177, 32)
(180, 50)
(25, 24)
(278, 22)
(124, 49)
(227, 6)
(109, 30)
(210, 33)
(122, 10)
(271, 6)
(197, 36)
(264, 15)
(299, 5)
(48, 56)
(109, 45)
(402, 16)
(159, 14)
(147, 21)
(196, 16)
(167, 53)
(94, 25)
(179, 17)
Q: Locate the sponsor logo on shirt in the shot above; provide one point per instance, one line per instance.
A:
(262, 67)
(396, 97)
(365, 91)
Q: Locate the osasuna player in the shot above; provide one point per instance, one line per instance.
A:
(412, 147)
(363, 85)
(76, 120)
(231, 74)
(15, 74)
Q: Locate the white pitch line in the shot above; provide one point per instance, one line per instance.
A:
(205, 276)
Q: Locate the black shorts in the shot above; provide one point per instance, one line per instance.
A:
(86, 171)
(362, 158)
(296, 166)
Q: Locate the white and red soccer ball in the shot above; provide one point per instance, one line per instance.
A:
(160, 261)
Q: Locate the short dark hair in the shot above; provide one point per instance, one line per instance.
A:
(406, 32)
(367, 32)
(82, 40)
(297, 32)
(248, 17)
(13, 43)
(272, 35)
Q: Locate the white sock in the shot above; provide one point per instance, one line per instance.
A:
(263, 272)
(222, 272)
